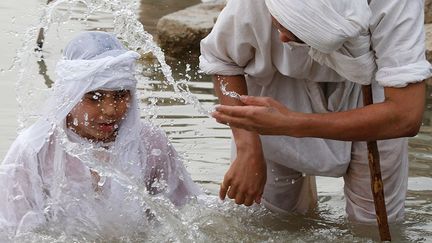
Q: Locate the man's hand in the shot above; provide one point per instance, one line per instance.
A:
(261, 114)
(245, 180)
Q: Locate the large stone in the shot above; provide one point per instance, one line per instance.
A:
(428, 11)
(152, 10)
(179, 33)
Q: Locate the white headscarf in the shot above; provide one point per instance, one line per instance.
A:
(91, 61)
(336, 30)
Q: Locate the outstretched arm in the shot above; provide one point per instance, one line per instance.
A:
(245, 179)
(399, 115)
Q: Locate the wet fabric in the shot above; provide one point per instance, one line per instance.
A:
(244, 42)
(52, 175)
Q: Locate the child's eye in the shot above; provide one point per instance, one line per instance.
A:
(121, 94)
(93, 96)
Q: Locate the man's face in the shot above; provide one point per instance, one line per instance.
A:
(284, 34)
(99, 114)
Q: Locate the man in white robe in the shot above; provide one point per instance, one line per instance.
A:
(321, 108)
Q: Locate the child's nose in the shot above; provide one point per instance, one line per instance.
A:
(108, 108)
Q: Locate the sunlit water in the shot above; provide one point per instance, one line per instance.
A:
(203, 143)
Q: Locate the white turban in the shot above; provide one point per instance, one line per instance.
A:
(336, 30)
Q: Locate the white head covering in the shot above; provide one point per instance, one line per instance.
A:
(93, 60)
(336, 30)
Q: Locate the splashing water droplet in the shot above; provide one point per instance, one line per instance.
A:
(86, 119)
(231, 94)
(156, 152)
(102, 181)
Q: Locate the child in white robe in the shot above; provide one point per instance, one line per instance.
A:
(89, 161)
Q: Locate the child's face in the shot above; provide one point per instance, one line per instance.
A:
(99, 113)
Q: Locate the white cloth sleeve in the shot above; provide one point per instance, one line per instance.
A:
(165, 172)
(398, 39)
(238, 44)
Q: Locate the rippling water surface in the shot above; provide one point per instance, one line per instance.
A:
(205, 144)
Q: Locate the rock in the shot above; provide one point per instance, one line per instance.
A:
(151, 11)
(180, 32)
(428, 11)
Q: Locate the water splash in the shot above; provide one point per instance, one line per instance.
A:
(232, 94)
(126, 27)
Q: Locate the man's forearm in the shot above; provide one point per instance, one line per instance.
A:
(243, 139)
(398, 116)
(233, 83)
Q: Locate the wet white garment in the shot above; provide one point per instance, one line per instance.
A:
(244, 42)
(51, 175)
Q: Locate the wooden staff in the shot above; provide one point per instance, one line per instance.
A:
(376, 180)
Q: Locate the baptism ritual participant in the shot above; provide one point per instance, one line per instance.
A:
(90, 162)
(300, 66)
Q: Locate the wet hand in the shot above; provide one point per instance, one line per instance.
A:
(245, 180)
(260, 114)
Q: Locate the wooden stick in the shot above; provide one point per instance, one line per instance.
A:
(41, 36)
(377, 185)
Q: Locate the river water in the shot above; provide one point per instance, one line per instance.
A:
(205, 144)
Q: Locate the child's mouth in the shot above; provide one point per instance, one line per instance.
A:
(107, 127)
